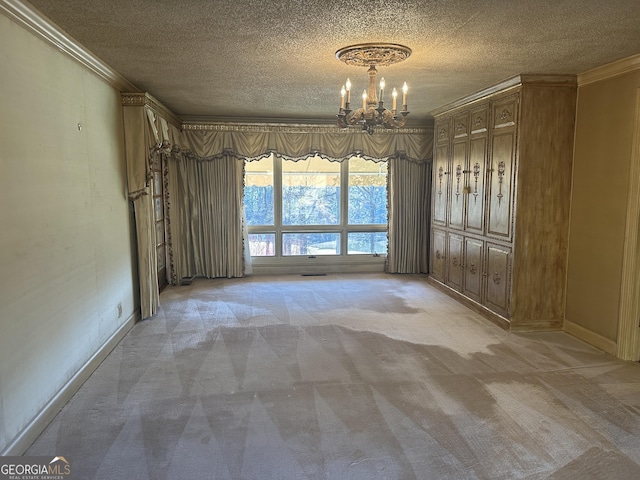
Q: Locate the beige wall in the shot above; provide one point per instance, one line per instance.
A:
(603, 146)
(66, 252)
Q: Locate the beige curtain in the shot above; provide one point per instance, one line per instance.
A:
(138, 142)
(292, 142)
(206, 216)
(409, 206)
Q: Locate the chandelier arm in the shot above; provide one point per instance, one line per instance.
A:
(389, 120)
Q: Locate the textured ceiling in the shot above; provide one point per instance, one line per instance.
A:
(257, 60)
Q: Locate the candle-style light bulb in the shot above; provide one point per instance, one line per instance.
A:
(348, 84)
(343, 92)
(381, 88)
(404, 95)
(364, 100)
(394, 94)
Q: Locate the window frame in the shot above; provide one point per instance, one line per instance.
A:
(343, 228)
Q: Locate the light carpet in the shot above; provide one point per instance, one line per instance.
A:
(345, 377)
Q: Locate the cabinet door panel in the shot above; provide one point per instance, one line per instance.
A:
(476, 176)
(480, 119)
(473, 268)
(505, 113)
(500, 201)
(498, 278)
(440, 184)
(442, 130)
(461, 125)
(456, 215)
(438, 242)
(454, 262)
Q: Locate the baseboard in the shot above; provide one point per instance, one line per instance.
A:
(536, 326)
(471, 304)
(36, 426)
(592, 338)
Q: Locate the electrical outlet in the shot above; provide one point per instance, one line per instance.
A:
(119, 310)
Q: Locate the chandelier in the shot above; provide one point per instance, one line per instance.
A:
(372, 113)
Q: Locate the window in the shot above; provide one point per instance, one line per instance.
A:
(316, 207)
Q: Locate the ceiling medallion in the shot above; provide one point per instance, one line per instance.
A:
(372, 113)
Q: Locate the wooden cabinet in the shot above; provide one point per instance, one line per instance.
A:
(501, 190)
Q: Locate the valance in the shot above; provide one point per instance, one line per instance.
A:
(295, 142)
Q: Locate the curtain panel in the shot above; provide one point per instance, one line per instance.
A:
(409, 191)
(149, 131)
(139, 142)
(206, 212)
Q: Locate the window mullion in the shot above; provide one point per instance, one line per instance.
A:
(277, 200)
(344, 205)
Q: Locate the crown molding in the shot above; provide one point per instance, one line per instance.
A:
(294, 128)
(243, 120)
(610, 70)
(137, 99)
(480, 94)
(523, 79)
(28, 17)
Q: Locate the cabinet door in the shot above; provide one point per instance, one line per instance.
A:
(461, 125)
(438, 242)
(473, 268)
(459, 160)
(476, 178)
(454, 262)
(498, 278)
(505, 111)
(442, 130)
(480, 119)
(440, 184)
(501, 167)
(501, 187)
